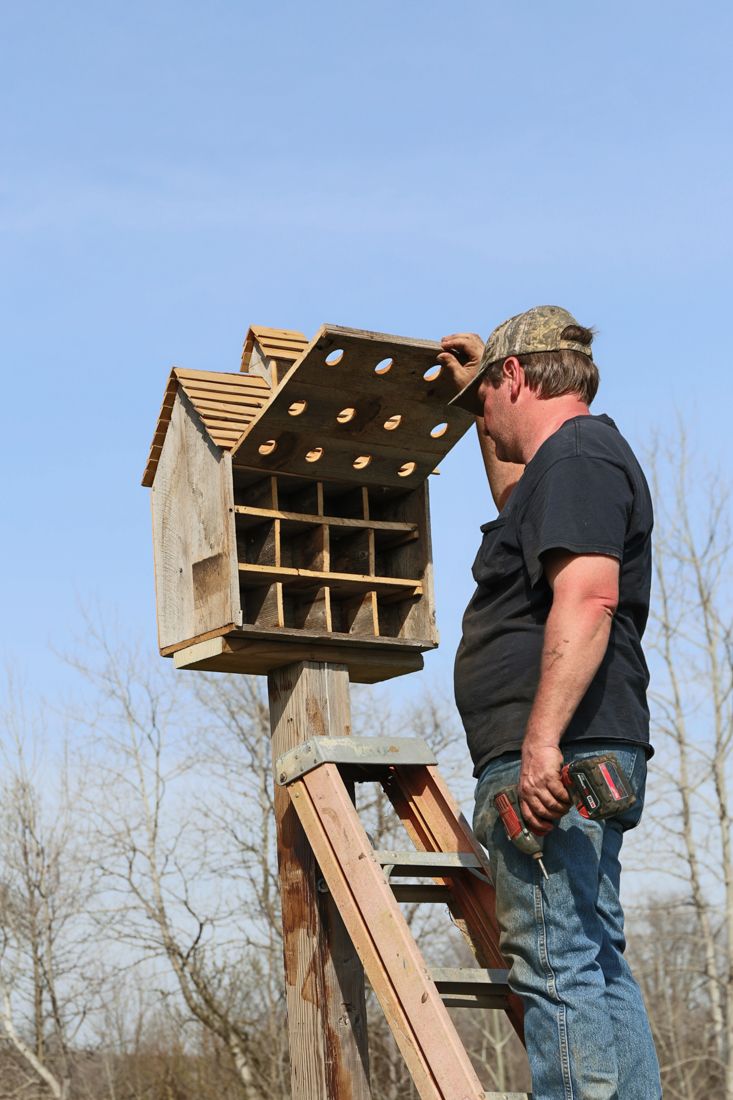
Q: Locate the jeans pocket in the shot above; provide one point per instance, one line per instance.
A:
(497, 775)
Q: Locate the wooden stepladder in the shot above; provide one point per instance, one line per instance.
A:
(363, 884)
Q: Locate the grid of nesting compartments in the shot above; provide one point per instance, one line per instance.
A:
(324, 557)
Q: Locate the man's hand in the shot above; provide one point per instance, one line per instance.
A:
(542, 797)
(471, 347)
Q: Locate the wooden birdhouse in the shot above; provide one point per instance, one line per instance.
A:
(290, 504)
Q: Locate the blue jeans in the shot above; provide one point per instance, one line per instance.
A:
(586, 1028)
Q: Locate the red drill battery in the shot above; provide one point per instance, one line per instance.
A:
(599, 785)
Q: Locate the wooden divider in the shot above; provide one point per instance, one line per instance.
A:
(332, 557)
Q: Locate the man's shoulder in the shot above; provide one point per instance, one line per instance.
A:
(590, 437)
(581, 449)
(599, 437)
(587, 437)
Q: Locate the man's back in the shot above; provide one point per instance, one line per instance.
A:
(584, 492)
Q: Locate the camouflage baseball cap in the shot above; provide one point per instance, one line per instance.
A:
(538, 329)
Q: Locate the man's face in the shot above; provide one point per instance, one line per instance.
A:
(499, 418)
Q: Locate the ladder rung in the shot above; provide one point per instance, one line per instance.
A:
(432, 864)
(496, 1001)
(468, 979)
(361, 752)
(507, 1096)
(421, 892)
(470, 987)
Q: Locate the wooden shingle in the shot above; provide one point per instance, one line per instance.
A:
(226, 403)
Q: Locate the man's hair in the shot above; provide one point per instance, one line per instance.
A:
(554, 373)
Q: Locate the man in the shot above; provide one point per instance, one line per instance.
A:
(550, 668)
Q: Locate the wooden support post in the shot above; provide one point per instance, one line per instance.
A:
(324, 978)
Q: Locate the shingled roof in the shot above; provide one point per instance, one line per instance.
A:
(226, 403)
(275, 343)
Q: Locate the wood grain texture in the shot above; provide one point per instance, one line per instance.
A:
(265, 348)
(347, 582)
(196, 580)
(412, 558)
(261, 652)
(422, 1028)
(362, 551)
(323, 976)
(226, 403)
(336, 521)
(434, 822)
(375, 396)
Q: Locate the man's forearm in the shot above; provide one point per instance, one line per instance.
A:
(578, 626)
(576, 639)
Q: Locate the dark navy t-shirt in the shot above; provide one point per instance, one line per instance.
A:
(583, 491)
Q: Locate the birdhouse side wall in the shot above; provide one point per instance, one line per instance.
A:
(196, 576)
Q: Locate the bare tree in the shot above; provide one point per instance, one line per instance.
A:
(181, 800)
(49, 976)
(232, 748)
(182, 836)
(692, 634)
(667, 955)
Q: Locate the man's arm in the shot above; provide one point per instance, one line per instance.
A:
(585, 597)
(503, 476)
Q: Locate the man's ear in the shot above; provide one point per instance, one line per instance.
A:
(512, 371)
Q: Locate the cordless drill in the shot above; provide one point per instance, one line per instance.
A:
(599, 789)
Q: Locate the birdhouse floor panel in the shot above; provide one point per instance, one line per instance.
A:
(240, 653)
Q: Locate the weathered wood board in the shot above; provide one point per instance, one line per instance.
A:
(239, 652)
(196, 576)
(225, 402)
(324, 980)
(357, 407)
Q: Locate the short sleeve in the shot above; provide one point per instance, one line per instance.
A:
(582, 505)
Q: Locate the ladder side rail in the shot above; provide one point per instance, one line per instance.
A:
(434, 822)
(419, 1020)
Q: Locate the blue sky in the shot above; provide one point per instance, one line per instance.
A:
(172, 173)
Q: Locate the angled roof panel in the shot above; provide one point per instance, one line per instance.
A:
(276, 343)
(226, 404)
(357, 406)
